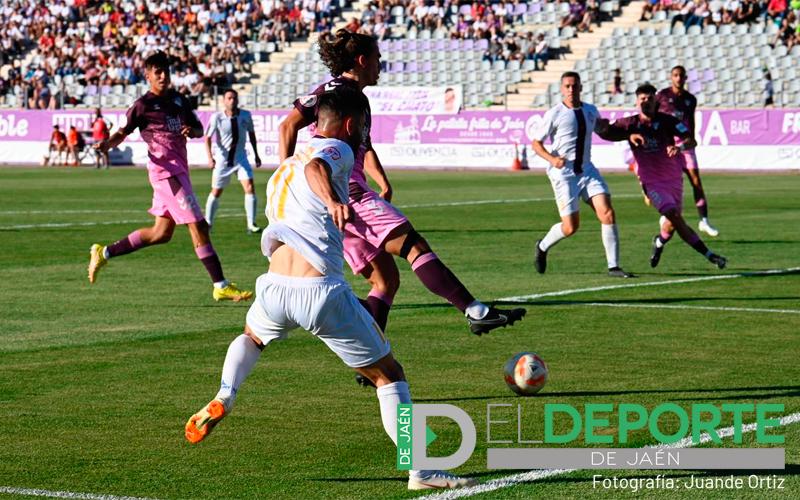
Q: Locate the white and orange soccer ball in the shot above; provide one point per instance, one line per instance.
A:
(526, 373)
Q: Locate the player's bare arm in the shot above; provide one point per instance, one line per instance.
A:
(287, 133)
(115, 140)
(254, 143)
(211, 162)
(556, 161)
(318, 175)
(373, 168)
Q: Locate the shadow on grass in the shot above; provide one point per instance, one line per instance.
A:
(788, 390)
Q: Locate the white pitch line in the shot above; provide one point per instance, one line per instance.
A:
(46, 225)
(536, 475)
(561, 293)
(495, 202)
(73, 212)
(703, 308)
(61, 494)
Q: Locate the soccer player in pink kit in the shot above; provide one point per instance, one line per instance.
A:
(378, 230)
(165, 119)
(652, 138)
(680, 103)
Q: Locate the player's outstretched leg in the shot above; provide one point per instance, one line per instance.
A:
(242, 355)
(440, 280)
(393, 390)
(693, 240)
(99, 255)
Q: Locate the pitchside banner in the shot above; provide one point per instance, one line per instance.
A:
(728, 139)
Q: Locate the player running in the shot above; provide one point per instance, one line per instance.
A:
(378, 230)
(680, 103)
(305, 285)
(165, 119)
(229, 156)
(652, 139)
(569, 126)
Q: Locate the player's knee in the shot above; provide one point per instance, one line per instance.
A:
(570, 227)
(161, 235)
(606, 216)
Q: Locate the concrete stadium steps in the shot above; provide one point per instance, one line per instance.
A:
(579, 48)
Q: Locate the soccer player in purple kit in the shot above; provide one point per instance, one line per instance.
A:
(651, 135)
(165, 119)
(378, 230)
(680, 103)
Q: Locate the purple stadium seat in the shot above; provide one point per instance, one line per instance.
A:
(534, 7)
(692, 75)
(455, 44)
(466, 10)
(411, 67)
(482, 44)
(397, 67)
(384, 46)
(708, 75)
(425, 46)
(520, 9)
(468, 44)
(695, 87)
(427, 67)
(439, 45)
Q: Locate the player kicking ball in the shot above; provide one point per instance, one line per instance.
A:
(228, 157)
(651, 136)
(569, 125)
(305, 285)
(165, 120)
(378, 231)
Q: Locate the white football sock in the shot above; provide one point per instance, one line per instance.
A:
(239, 362)
(250, 203)
(211, 208)
(477, 310)
(389, 396)
(553, 236)
(611, 243)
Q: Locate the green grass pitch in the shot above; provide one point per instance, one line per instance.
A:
(98, 381)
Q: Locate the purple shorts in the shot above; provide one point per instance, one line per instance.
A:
(372, 220)
(174, 198)
(690, 160)
(665, 196)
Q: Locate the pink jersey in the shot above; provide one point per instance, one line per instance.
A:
(307, 106)
(654, 166)
(682, 106)
(159, 120)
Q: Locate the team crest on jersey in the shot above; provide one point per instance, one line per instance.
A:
(332, 152)
(173, 124)
(308, 101)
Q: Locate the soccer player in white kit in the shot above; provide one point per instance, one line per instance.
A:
(569, 126)
(227, 130)
(305, 286)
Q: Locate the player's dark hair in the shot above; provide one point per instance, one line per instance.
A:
(683, 70)
(342, 103)
(645, 88)
(339, 52)
(571, 74)
(158, 59)
(227, 91)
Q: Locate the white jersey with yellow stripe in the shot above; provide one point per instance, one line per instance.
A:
(298, 217)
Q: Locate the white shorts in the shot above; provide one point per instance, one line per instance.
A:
(221, 176)
(569, 188)
(324, 306)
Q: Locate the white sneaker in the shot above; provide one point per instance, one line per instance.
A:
(707, 228)
(436, 479)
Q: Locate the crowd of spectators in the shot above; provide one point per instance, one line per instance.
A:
(101, 44)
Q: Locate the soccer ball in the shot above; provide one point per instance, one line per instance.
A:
(526, 373)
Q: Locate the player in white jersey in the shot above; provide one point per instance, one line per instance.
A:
(228, 156)
(569, 126)
(305, 286)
